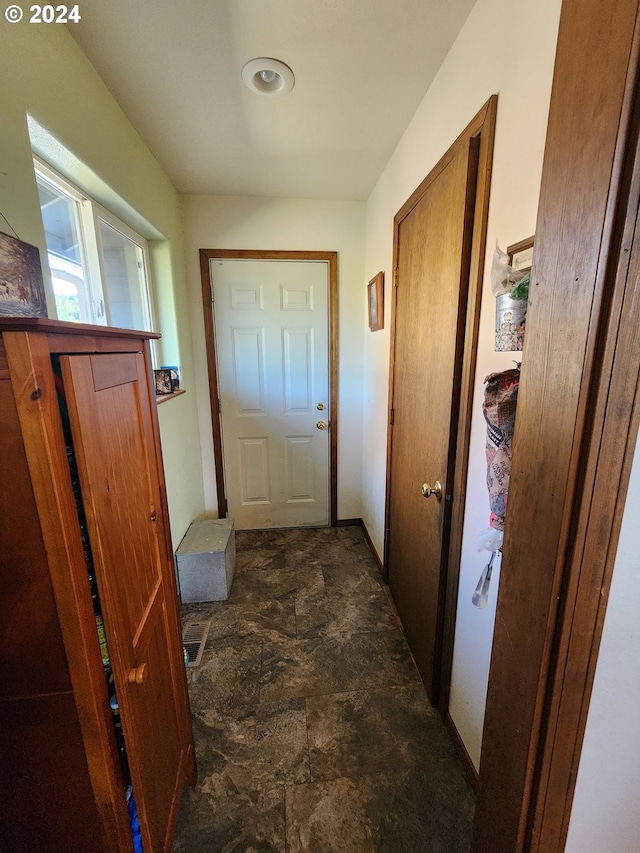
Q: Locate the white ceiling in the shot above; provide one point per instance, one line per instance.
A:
(361, 69)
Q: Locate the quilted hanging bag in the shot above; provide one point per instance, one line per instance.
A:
(499, 409)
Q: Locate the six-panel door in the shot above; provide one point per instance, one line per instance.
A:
(271, 325)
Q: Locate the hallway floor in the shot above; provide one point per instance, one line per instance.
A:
(313, 732)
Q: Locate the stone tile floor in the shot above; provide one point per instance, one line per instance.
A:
(313, 732)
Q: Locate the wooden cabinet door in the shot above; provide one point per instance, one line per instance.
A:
(109, 409)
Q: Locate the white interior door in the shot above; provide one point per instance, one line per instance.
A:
(272, 348)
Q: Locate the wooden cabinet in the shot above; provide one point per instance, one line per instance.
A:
(85, 393)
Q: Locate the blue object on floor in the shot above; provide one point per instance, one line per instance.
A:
(135, 824)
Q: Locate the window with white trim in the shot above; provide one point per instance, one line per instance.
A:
(99, 266)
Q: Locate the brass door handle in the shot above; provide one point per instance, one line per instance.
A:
(428, 490)
(321, 425)
(138, 674)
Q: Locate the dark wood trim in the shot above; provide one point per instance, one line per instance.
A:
(212, 373)
(333, 385)
(331, 258)
(465, 758)
(480, 131)
(486, 134)
(518, 247)
(359, 522)
(613, 416)
(574, 438)
(372, 547)
(45, 324)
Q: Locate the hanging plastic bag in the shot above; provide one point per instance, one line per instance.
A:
(503, 276)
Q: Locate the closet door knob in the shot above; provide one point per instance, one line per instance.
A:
(138, 674)
(428, 490)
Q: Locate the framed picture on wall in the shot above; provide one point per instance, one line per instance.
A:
(375, 299)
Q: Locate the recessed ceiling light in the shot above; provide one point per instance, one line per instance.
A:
(266, 76)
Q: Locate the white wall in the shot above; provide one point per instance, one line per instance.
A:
(50, 89)
(606, 809)
(508, 47)
(231, 222)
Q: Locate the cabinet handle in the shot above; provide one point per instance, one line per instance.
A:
(138, 674)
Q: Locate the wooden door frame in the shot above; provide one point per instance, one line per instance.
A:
(331, 259)
(482, 130)
(576, 428)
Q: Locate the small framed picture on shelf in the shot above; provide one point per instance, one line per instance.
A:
(375, 299)
(521, 255)
(175, 375)
(163, 381)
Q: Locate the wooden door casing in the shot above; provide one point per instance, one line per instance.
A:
(574, 439)
(433, 262)
(105, 394)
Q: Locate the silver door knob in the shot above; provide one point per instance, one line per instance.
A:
(428, 490)
(321, 425)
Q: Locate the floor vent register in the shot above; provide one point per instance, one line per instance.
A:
(194, 638)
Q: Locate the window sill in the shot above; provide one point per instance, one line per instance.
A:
(162, 398)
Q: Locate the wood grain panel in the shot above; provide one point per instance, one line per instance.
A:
(433, 248)
(32, 655)
(479, 134)
(73, 719)
(41, 740)
(117, 370)
(4, 365)
(68, 331)
(37, 405)
(609, 450)
(576, 247)
(116, 464)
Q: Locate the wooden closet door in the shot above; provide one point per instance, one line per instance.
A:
(433, 253)
(112, 434)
